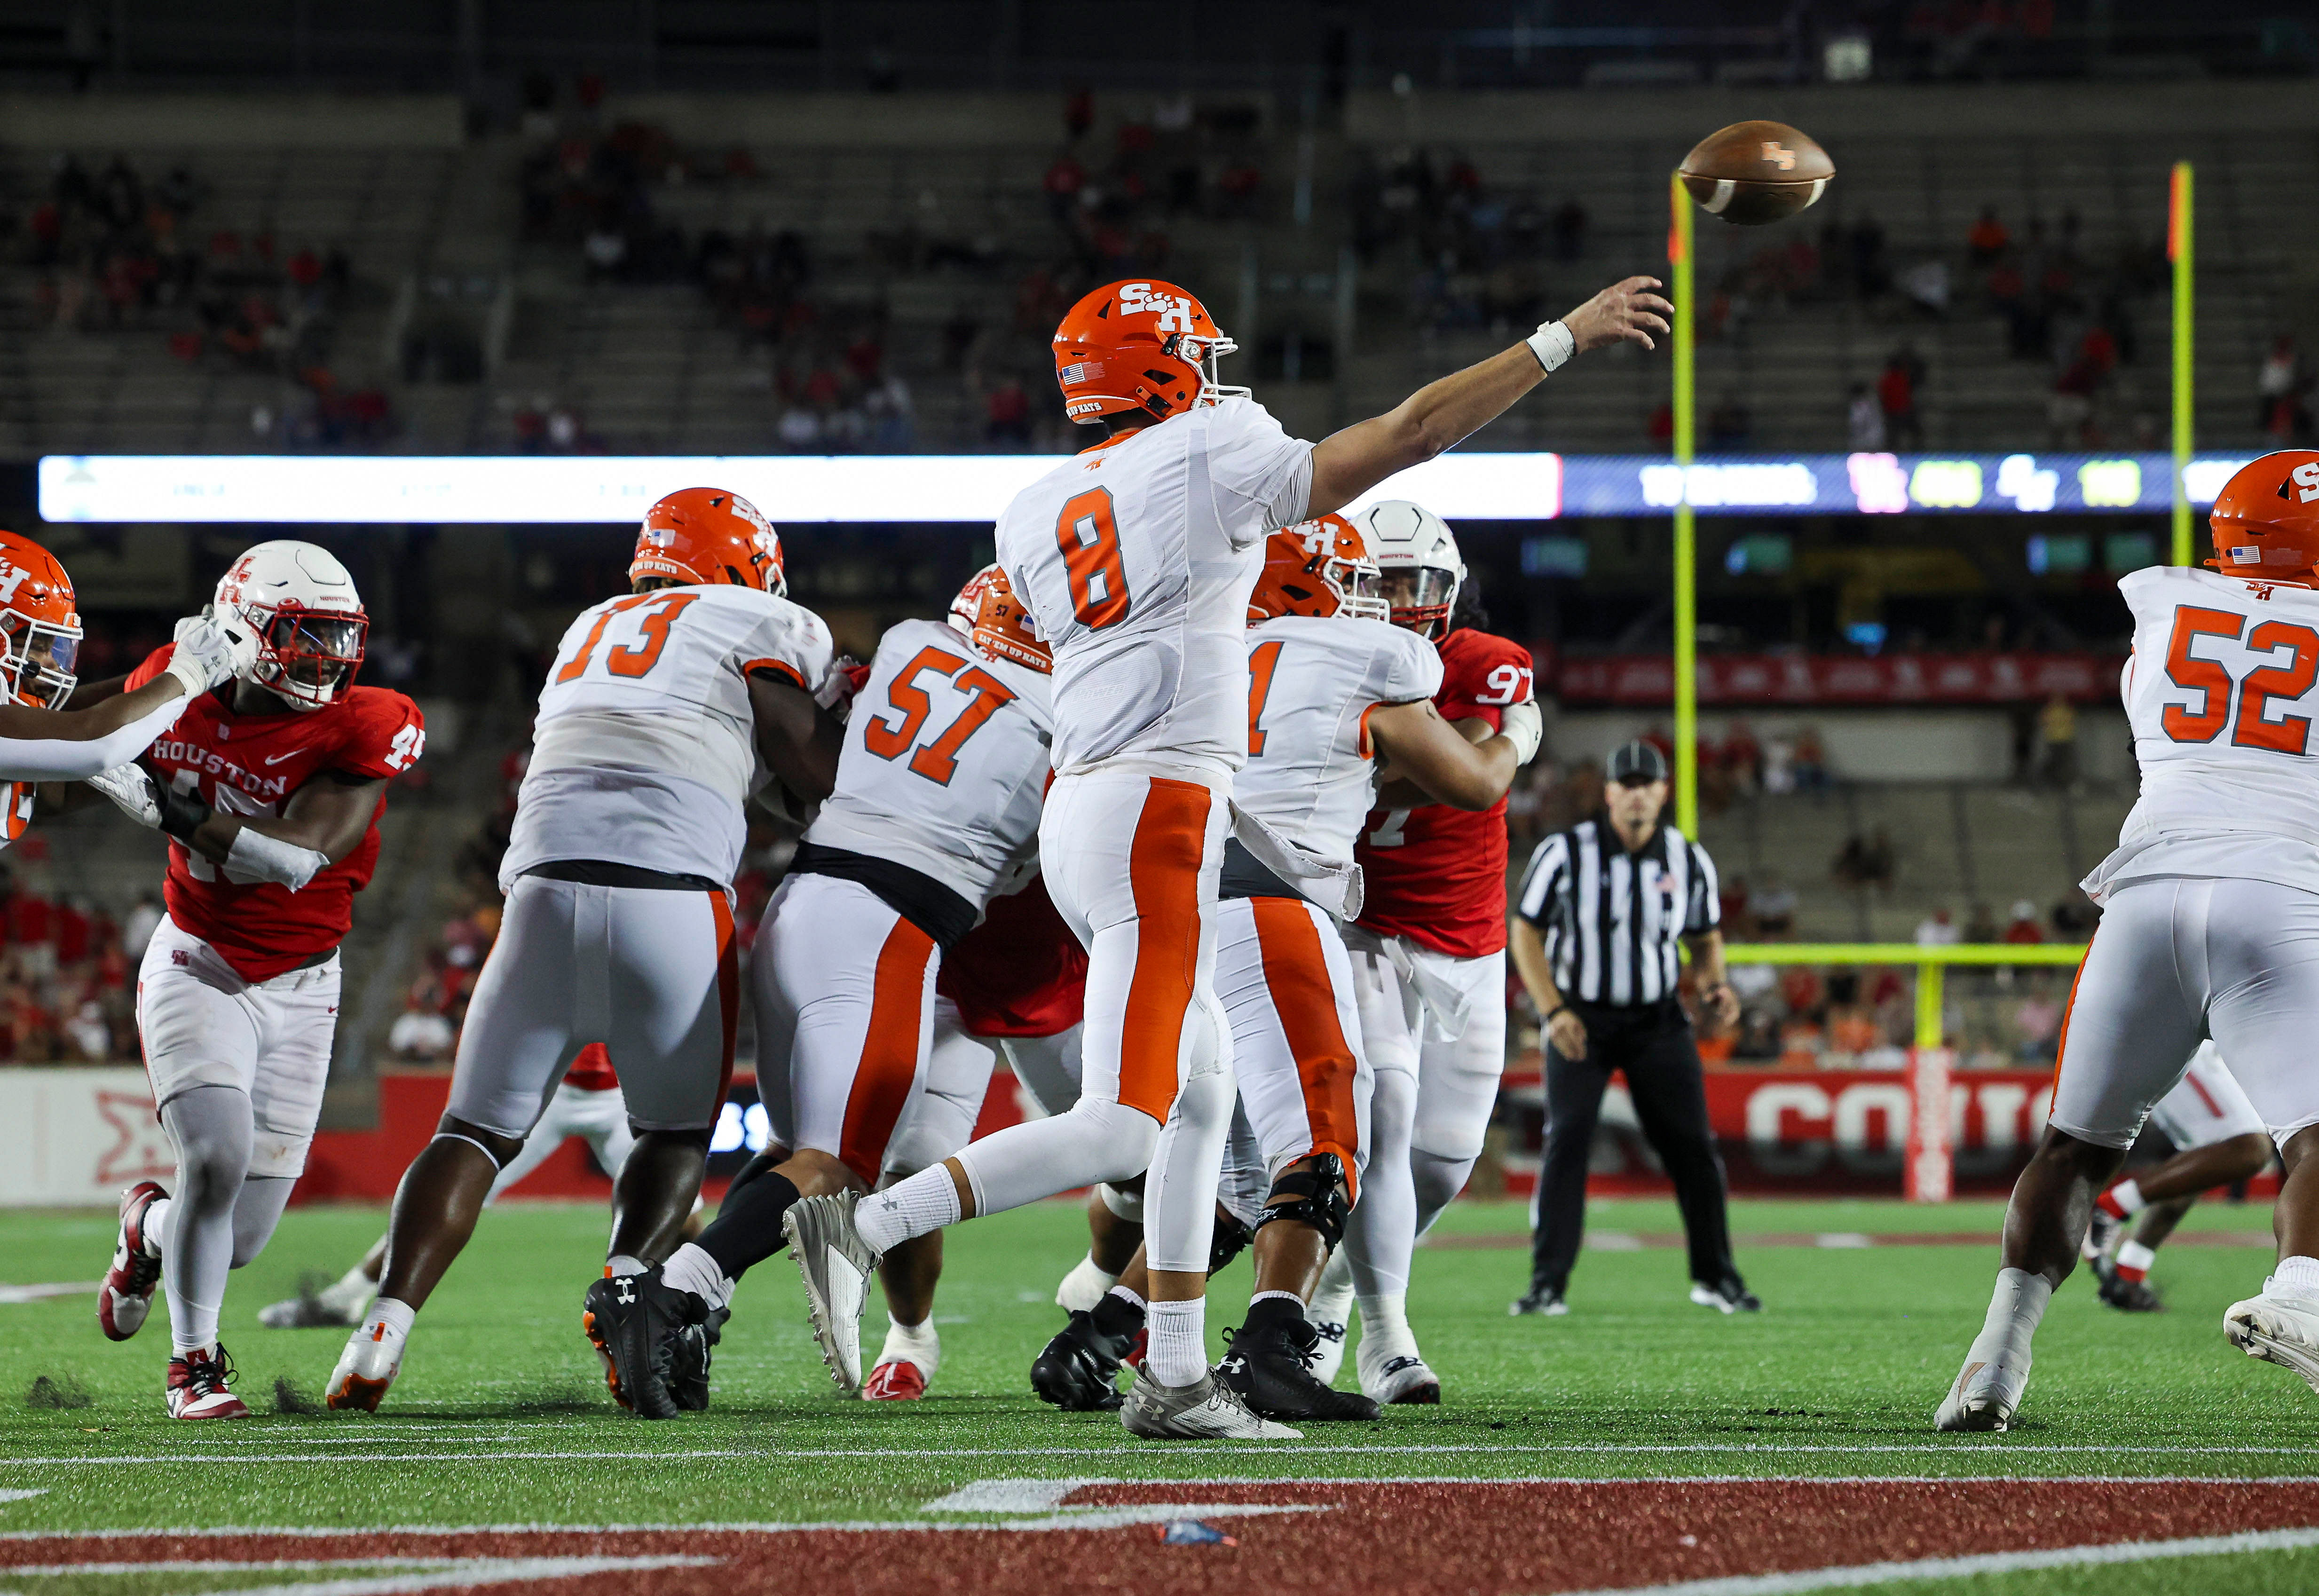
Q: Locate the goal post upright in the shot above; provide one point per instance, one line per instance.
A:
(1680, 253)
(2178, 235)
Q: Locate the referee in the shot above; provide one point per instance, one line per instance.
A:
(1602, 905)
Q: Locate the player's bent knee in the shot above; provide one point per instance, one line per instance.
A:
(2251, 1153)
(1312, 1192)
(1125, 1199)
(1124, 1138)
(493, 1145)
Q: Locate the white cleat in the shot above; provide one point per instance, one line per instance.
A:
(1083, 1287)
(1210, 1411)
(2281, 1327)
(366, 1369)
(1329, 1350)
(1985, 1395)
(837, 1264)
(1397, 1375)
(313, 1313)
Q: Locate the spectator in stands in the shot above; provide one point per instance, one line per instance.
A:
(421, 1032)
(2279, 390)
(1078, 113)
(2038, 1020)
(1896, 395)
(1938, 930)
(1987, 239)
(1743, 757)
(1065, 180)
(2075, 918)
(138, 929)
(1865, 862)
(1772, 907)
(1864, 420)
(2023, 929)
(1983, 925)
(2057, 742)
(1809, 760)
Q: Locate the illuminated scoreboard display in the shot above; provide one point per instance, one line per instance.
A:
(1466, 485)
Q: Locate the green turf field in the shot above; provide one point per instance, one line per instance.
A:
(499, 1417)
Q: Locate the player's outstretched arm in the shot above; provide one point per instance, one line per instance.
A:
(798, 739)
(73, 744)
(1422, 751)
(1346, 465)
(323, 822)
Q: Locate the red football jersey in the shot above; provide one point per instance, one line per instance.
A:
(251, 764)
(1437, 875)
(591, 1071)
(1019, 973)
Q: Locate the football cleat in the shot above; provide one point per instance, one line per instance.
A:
(1209, 1410)
(366, 1369)
(688, 1379)
(2130, 1296)
(637, 1325)
(2101, 1234)
(1402, 1380)
(198, 1382)
(837, 1264)
(126, 1296)
(1079, 1370)
(2281, 1327)
(1542, 1299)
(311, 1312)
(898, 1380)
(1272, 1371)
(1729, 1295)
(1329, 1351)
(1985, 1395)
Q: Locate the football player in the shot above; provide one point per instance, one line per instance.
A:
(41, 739)
(270, 795)
(2210, 925)
(1430, 963)
(587, 1104)
(1136, 560)
(1335, 692)
(2219, 1140)
(936, 805)
(664, 711)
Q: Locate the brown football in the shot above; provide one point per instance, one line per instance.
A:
(1755, 172)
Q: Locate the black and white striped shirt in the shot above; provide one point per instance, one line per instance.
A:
(1610, 918)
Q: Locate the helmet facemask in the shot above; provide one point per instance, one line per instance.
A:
(1202, 356)
(1420, 597)
(307, 657)
(39, 665)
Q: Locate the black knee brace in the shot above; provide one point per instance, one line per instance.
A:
(1231, 1240)
(1318, 1186)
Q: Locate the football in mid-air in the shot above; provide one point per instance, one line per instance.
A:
(1755, 172)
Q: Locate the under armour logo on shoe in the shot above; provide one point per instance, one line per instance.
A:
(624, 1281)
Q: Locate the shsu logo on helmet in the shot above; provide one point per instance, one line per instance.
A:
(1175, 310)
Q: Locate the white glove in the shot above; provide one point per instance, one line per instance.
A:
(843, 680)
(209, 654)
(132, 792)
(1523, 725)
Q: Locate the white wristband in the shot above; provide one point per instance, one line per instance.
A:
(1552, 344)
(188, 671)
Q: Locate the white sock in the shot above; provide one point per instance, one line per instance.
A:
(621, 1263)
(917, 1206)
(2134, 1256)
(1264, 1296)
(2296, 1273)
(2014, 1310)
(156, 1218)
(1332, 1299)
(913, 1343)
(691, 1268)
(394, 1316)
(1177, 1351)
(2127, 1195)
(350, 1291)
(1385, 1319)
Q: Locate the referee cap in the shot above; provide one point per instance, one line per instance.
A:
(1638, 761)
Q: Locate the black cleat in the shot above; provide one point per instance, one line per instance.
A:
(2101, 1234)
(1079, 1370)
(1729, 1296)
(1271, 1368)
(2129, 1296)
(688, 1381)
(640, 1327)
(1538, 1299)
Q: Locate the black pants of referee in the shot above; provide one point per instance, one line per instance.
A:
(1652, 1048)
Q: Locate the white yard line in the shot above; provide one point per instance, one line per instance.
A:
(1941, 1568)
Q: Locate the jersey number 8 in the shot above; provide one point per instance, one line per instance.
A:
(1088, 535)
(2211, 680)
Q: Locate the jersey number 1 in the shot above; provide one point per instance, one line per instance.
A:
(1088, 535)
(2211, 680)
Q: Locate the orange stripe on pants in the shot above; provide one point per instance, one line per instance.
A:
(2062, 1041)
(728, 994)
(890, 1051)
(1296, 974)
(1163, 875)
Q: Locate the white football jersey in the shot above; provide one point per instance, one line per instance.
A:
(645, 749)
(1135, 559)
(1312, 684)
(2221, 691)
(946, 763)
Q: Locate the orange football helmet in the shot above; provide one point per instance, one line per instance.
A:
(1145, 345)
(1321, 567)
(705, 535)
(40, 627)
(995, 621)
(2265, 519)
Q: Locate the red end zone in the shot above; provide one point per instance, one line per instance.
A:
(1354, 1539)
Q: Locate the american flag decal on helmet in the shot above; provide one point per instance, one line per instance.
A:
(1080, 371)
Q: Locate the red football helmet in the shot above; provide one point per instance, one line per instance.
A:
(1145, 345)
(995, 621)
(705, 535)
(1320, 567)
(40, 630)
(2266, 519)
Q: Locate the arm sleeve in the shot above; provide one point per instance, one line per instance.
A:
(1259, 477)
(1704, 913)
(1542, 881)
(385, 738)
(790, 643)
(55, 759)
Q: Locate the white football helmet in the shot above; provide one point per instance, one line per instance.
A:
(1417, 554)
(300, 607)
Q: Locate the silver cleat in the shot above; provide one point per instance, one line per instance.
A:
(1210, 1411)
(837, 1264)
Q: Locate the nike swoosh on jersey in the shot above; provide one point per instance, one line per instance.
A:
(279, 757)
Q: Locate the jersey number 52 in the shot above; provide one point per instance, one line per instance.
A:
(2250, 719)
